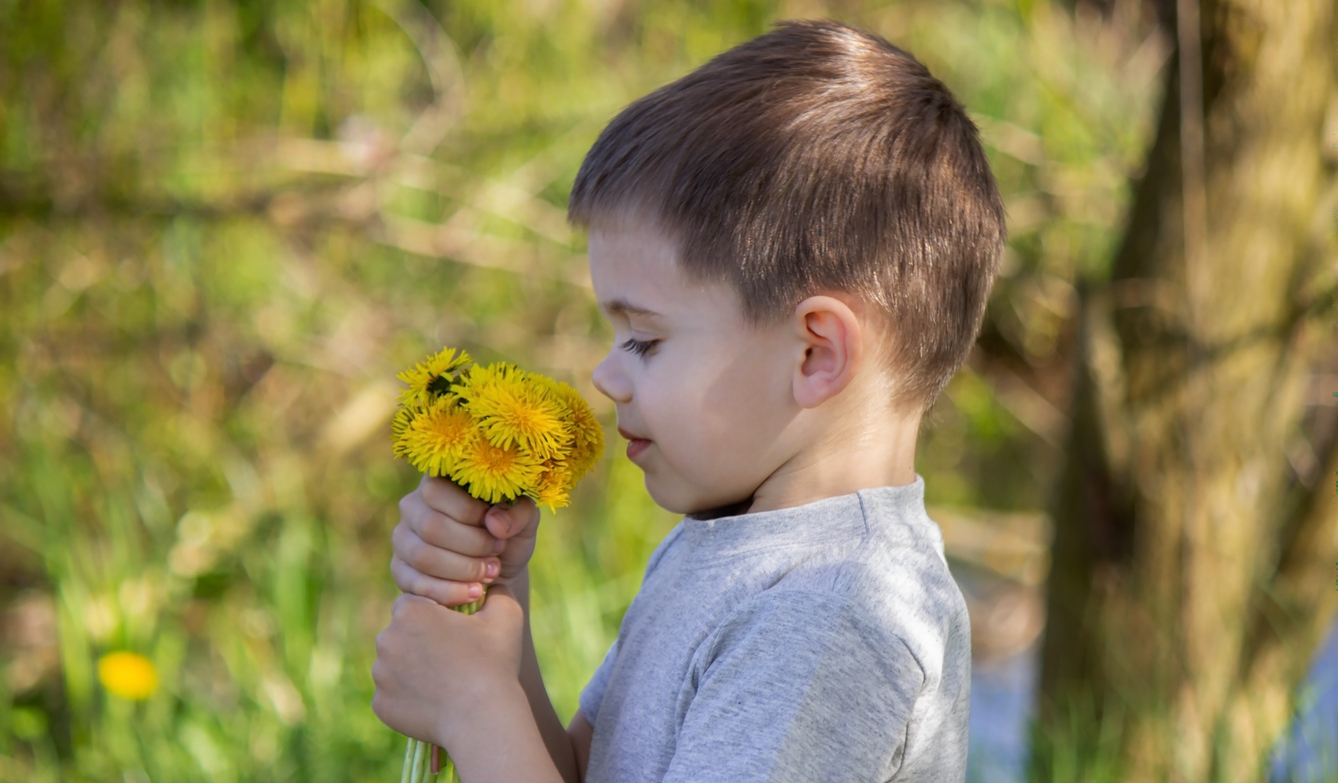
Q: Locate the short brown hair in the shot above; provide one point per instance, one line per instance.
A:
(816, 157)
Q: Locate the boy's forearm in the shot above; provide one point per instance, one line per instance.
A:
(554, 734)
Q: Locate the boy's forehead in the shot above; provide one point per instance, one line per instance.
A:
(634, 271)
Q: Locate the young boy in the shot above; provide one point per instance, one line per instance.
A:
(794, 244)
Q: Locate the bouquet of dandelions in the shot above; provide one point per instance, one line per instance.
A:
(500, 433)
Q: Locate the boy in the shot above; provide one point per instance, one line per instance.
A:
(794, 244)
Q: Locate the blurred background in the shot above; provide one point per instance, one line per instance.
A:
(224, 227)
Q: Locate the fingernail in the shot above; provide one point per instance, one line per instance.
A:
(498, 545)
(491, 569)
(475, 591)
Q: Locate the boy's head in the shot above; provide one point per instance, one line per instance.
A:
(811, 193)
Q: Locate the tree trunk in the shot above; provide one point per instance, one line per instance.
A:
(1192, 572)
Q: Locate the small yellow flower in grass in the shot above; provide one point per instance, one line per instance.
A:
(512, 407)
(495, 473)
(434, 437)
(432, 376)
(128, 675)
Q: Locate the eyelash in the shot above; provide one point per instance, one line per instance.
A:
(639, 347)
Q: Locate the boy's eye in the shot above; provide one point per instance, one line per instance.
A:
(639, 347)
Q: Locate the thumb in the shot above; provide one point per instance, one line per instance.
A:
(507, 521)
(500, 601)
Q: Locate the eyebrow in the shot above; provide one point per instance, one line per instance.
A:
(623, 307)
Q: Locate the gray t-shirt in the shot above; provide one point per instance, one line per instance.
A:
(823, 642)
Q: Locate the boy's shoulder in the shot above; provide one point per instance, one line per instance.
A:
(875, 556)
(884, 539)
(875, 551)
(896, 585)
(886, 612)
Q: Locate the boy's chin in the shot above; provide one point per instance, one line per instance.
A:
(689, 503)
(669, 501)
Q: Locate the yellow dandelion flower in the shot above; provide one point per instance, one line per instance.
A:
(400, 422)
(128, 675)
(587, 434)
(552, 486)
(432, 376)
(436, 437)
(497, 431)
(480, 376)
(495, 473)
(513, 407)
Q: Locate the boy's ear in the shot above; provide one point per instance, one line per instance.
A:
(833, 347)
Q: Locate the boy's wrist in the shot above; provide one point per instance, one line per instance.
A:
(498, 739)
(490, 701)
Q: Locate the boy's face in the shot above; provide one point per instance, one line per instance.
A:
(703, 398)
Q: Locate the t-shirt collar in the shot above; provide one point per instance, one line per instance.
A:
(841, 517)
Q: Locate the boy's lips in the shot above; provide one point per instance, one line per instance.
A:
(635, 445)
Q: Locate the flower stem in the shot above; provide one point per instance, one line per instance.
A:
(408, 761)
(416, 776)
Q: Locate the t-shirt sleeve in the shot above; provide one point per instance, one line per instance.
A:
(795, 687)
(593, 692)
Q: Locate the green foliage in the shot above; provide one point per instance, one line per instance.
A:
(224, 227)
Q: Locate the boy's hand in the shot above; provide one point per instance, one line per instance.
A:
(434, 665)
(446, 539)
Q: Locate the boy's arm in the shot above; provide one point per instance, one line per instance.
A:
(561, 745)
(581, 734)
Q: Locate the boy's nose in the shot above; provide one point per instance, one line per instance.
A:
(610, 382)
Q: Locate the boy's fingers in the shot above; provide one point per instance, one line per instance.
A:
(504, 522)
(443, 591)
(498, 522)
(440, 562)
(439, 530)
(446, 497)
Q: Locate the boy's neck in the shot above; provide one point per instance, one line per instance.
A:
(854, 454)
